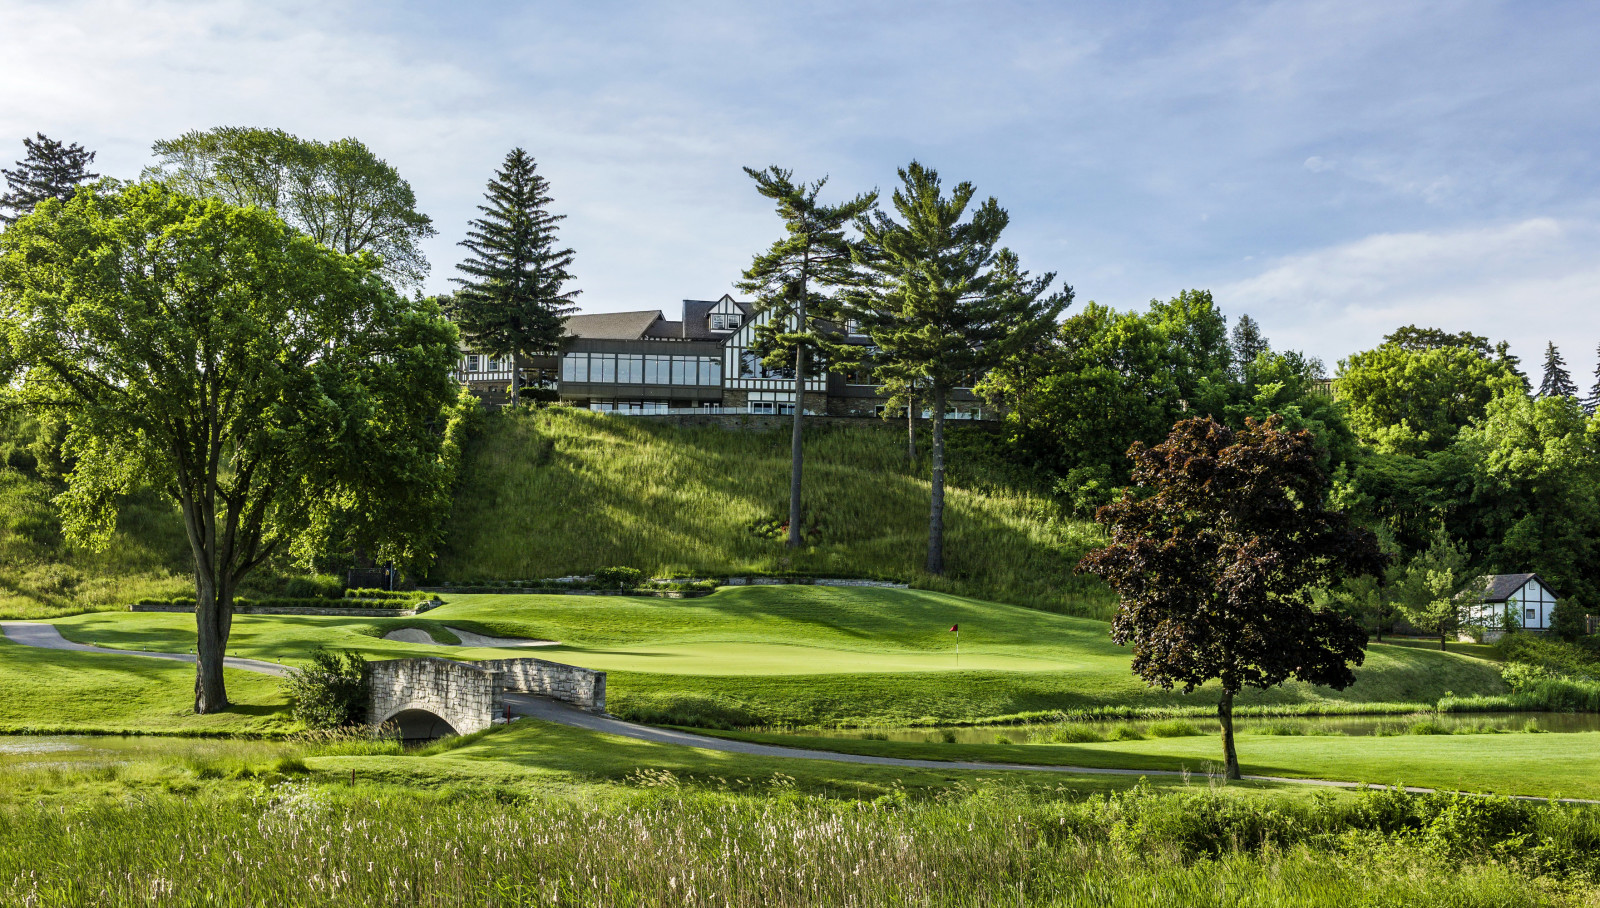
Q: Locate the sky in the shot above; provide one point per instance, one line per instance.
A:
(1333, 169)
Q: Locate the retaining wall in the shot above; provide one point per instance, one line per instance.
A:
(582, 687)
(299, 610)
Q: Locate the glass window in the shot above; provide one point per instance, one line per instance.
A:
(472, 362)
(682, 370)
(608, 369)
(630, 369)
(749, 365)
(716, 372)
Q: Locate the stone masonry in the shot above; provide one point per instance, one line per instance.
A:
(582, 687)
(465, 695)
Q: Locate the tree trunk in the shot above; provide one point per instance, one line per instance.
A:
(211, 646)
(516, 380)
(936, 511)
(911, 430)
(1230, 757)
(1442, 635)
(795, 440)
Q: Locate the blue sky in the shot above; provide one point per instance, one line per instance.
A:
(1333, 169)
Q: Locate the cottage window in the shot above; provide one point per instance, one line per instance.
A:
(1533, 614)
(472, 362)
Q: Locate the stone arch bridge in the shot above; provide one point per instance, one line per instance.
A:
(432, 697)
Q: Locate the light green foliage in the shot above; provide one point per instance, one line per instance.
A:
(1433, 593)
(1411, 401)
(566, 491)
(339, 193)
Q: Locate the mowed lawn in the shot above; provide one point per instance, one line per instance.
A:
(801, 655)
(1536, 765)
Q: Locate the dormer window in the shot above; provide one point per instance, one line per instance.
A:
(724, 321)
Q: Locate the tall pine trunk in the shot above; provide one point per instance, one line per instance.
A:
(796, 438)
(516, 380)
(911, 430)
(936, 510)
(1230, 756)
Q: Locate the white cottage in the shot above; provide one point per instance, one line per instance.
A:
(1528, 597)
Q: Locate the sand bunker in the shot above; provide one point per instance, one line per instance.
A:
(468, 638)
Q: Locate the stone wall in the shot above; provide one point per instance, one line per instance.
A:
(464, 694)
(582, 687)
(301, 610)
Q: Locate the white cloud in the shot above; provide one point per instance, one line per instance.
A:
(1527, 282)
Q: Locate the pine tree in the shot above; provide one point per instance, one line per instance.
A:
(512, 302)
(50, 170)
(1557, 383)
(1247, 343)
(797, 281)
(1593, 402)
(943, 304)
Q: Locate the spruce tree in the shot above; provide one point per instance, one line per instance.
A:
(1593, 402)
(50, 170)
(798, 280)
(944, 304)
(1247, 343)
(513, 302)
(1557, 383)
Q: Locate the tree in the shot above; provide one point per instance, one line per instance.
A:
(942, 304)
(1434, 594)
(1406, 401)
(798, 281)
(50, 170)
(513, 301)
(1557, 382)
(1215, 566)
(1592, 402)
(265, 383)
(339, 193)
(1418, 340)
(1248, 343)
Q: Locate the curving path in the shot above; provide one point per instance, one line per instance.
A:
(532, 707)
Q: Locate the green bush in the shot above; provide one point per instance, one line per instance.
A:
(1175, 728)
(618, 577)
(1567, 620)
(330, 692)
(321, 586)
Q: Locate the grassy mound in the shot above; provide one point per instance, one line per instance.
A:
(809, 655)
(562, 490)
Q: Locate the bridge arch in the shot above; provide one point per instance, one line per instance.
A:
(431, 695)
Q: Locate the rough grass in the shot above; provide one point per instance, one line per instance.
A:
(560, 490)
(803, 655)
(42, 575)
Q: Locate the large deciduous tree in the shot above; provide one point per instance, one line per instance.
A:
(513, 300)
(944, 303)
(798, 280)
(1403, 400)
(339, 193)
(269, 385)
(1215, 566)
(48, 170)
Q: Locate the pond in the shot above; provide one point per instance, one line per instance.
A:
(82, 752)
(1043, 733)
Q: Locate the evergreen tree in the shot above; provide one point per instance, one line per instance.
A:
(1503, 356)
(1593, 402)
(1247, 343)
(1557, 383)
(50, 170)
(943, 304)
(512, 302)
(793, 280)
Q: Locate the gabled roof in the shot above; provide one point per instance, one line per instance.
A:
(613, 325)
(1500, 587)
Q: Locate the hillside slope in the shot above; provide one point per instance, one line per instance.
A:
(558, 491)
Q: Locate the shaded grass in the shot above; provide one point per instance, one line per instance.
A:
(549, 492)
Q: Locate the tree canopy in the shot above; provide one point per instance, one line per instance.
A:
(48, 170)
(1413, 401)
(280, 392)
(1215, 567)
(339, 193)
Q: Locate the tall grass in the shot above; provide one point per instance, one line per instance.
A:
(298, 844)
(560, 490)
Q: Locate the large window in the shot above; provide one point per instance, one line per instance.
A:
(636, 369)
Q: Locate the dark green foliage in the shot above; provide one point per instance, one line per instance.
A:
(1557, 381)
(944, 303)
(50, 170)
(330, 691)
(1248, 342)
(1216, 565)
(513, 300)
(616, 577)
(1567, 620)
(338, 193)
(314, 588)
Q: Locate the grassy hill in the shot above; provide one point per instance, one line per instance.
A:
(808, 655)
(556, 491)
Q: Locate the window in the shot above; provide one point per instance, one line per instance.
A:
(761, 406)
(1533, 614)
(710, 372)
(472, 362)
(608, 369)
(657, 370)
(630, 369)
(683, 370)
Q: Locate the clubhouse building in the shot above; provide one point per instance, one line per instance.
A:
(645, 363)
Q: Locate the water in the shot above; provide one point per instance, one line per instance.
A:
(1560, 723)
(31, 752)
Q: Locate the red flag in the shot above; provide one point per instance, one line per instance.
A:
(955, 628)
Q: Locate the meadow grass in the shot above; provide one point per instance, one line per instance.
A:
(304, 844)
(805, 655)
(550, 492)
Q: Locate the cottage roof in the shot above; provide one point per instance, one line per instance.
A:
(613, 325)
(1500, 587)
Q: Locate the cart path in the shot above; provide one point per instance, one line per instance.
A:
(47, 636)
(526, 705)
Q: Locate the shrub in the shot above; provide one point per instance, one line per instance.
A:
(331, 692)
(618, 577)
(1566, 620)
(1175, 728)
(321, 586)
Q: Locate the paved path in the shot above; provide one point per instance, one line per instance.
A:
(46, 636)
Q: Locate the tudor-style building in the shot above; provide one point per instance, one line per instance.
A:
(1529, 599)
(643, 362)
